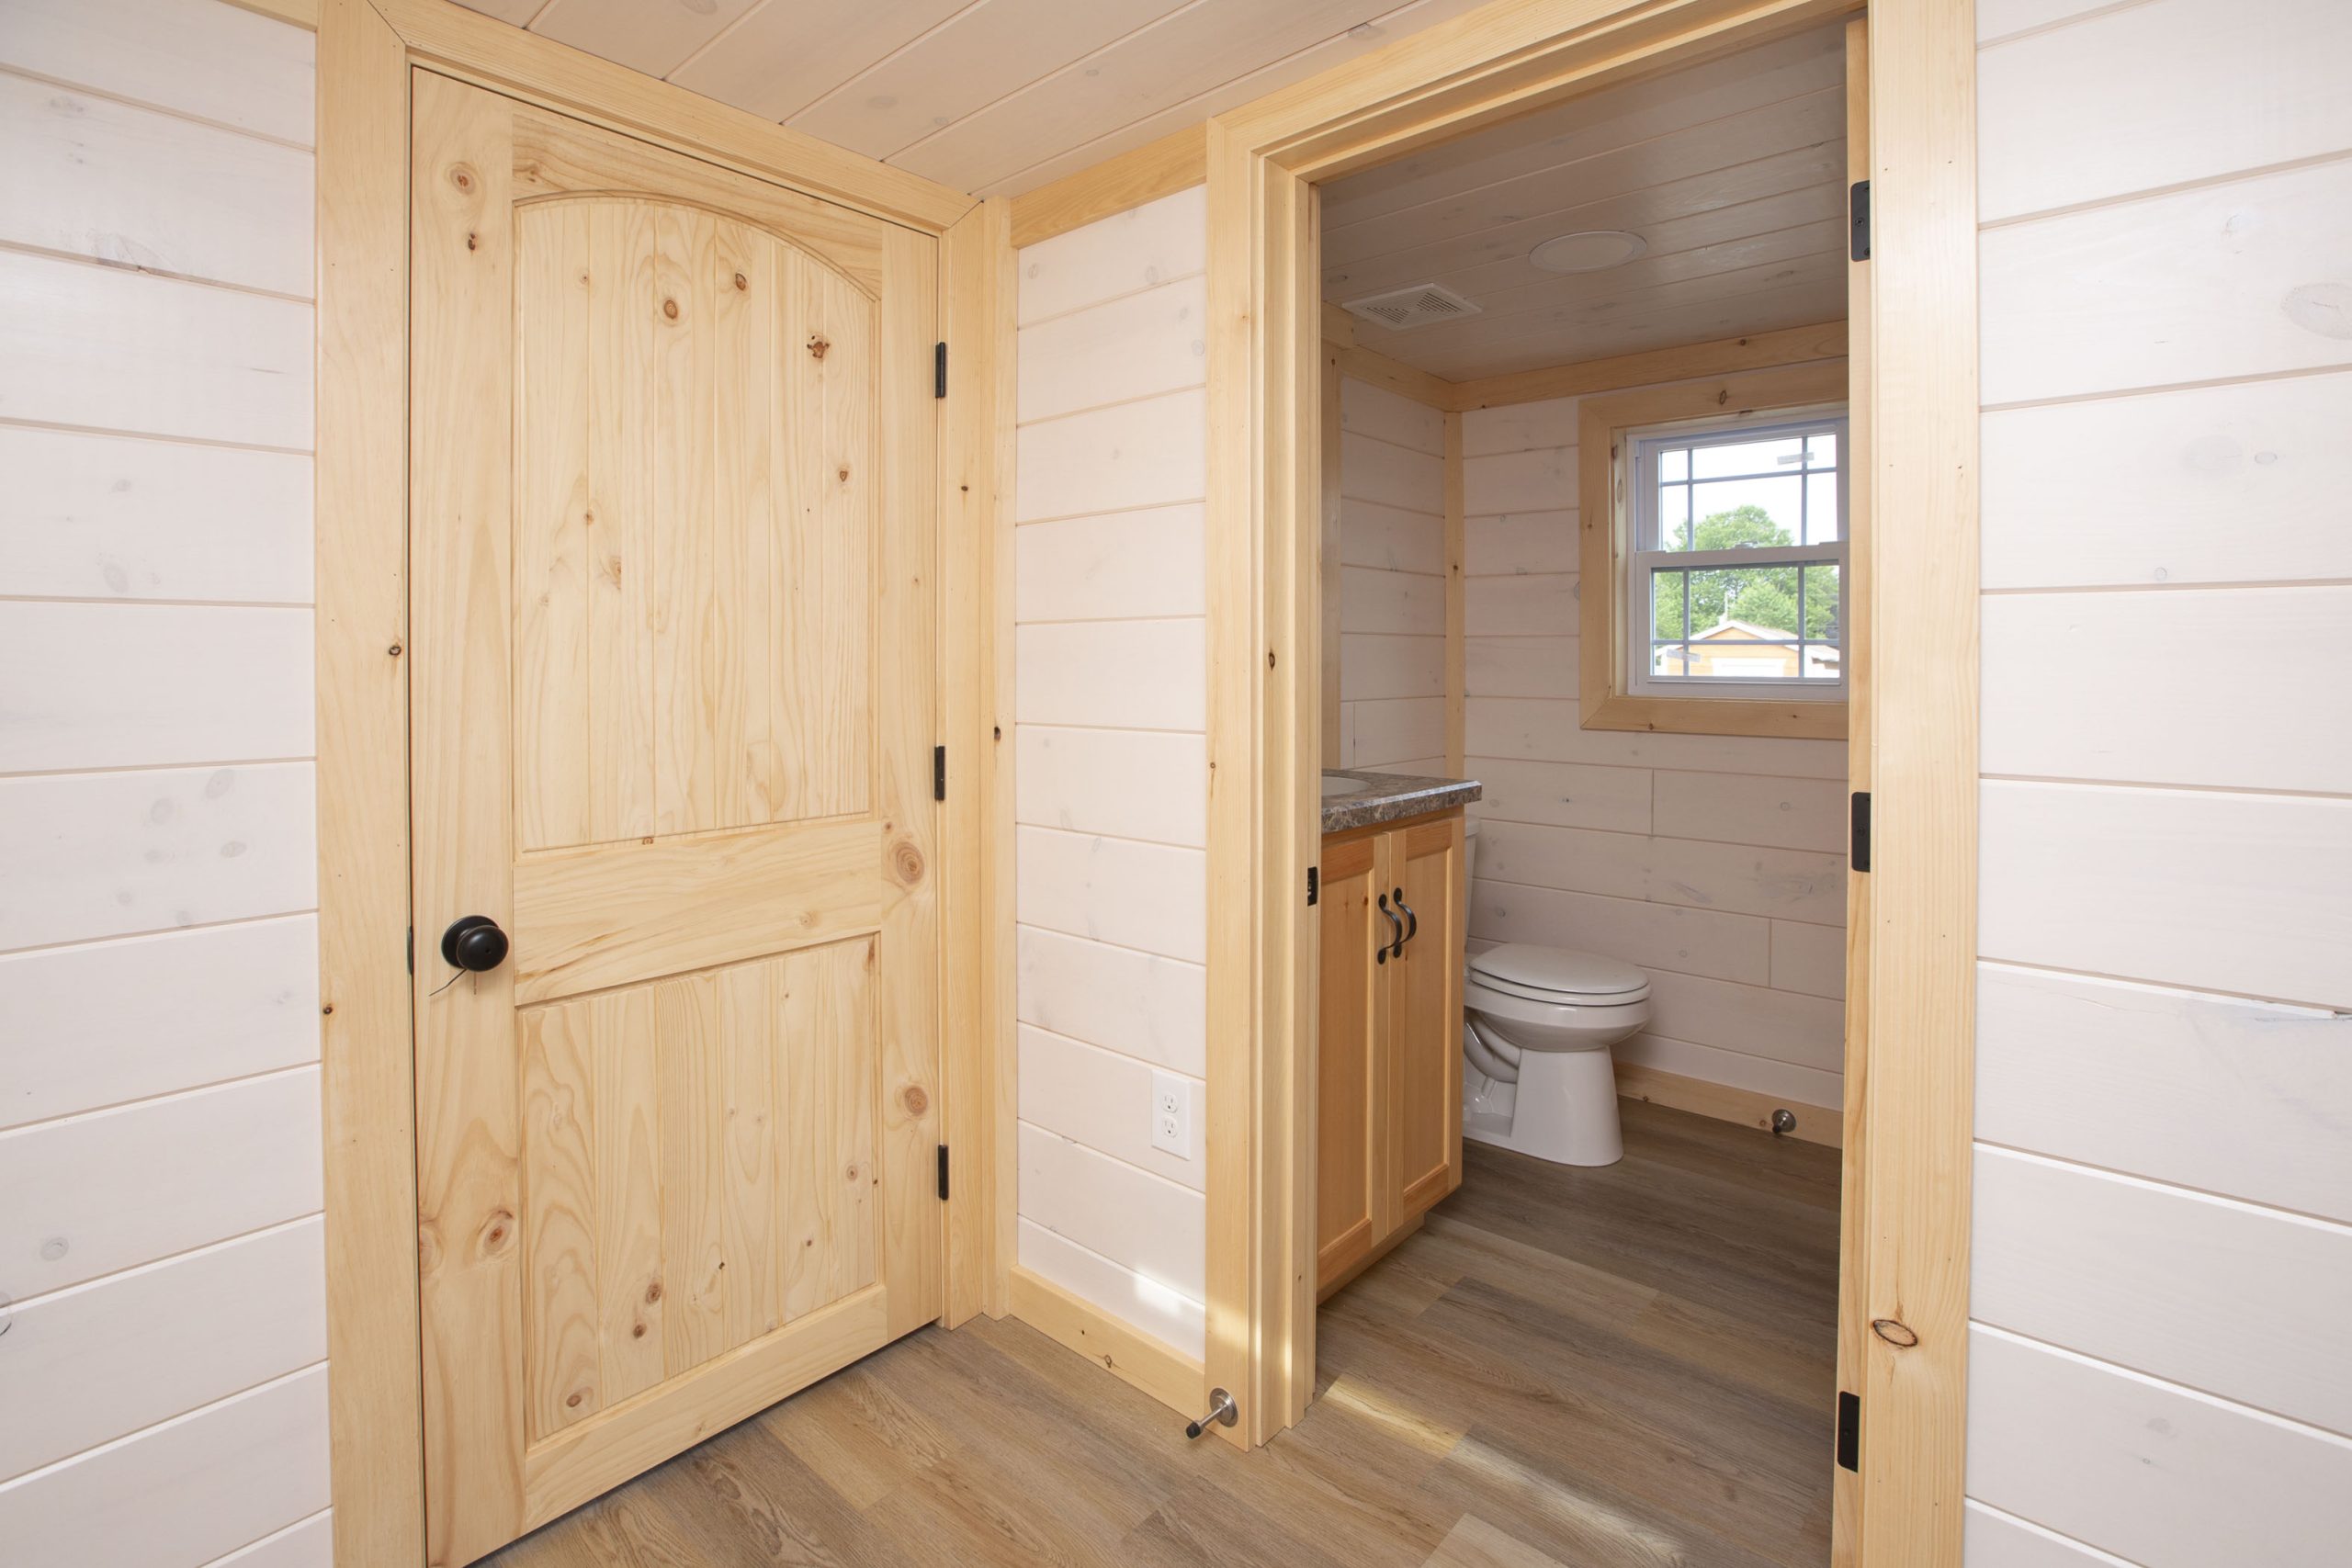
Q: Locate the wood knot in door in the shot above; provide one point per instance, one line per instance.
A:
(906, 862)
(497, 1232)
(462, 177)
(1898, 1335)
(670, 308)
(817, 347)
(913, 1098)
(741, 282)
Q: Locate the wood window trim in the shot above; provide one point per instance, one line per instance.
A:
(1605, 514)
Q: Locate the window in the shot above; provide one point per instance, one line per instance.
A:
(1735, 558)
(1714, 559)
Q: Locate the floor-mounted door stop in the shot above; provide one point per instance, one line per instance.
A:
(1223, 1412)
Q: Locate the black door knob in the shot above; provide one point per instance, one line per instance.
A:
(475, 943)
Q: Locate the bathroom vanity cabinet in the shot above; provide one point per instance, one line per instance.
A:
(1388, 1141)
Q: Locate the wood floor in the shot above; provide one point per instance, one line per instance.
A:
(1587, 1368)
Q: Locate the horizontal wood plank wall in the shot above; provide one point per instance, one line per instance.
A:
(1392, 582)
(1715, 863)
(162, 1278)
(1110, 774)
(2163, 1098)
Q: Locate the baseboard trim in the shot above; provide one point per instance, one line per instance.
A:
(1816, 1123)
(1168, 1375)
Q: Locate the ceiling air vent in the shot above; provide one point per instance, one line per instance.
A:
(1402, 309)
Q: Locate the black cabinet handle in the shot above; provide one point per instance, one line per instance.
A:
(1380, 954)
(1410, 931)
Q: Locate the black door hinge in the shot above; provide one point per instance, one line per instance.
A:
(939, 773)
(1858, 842)
(939, 370)
(1314, 884)
(943, 1173)
(1849, 1431)
(1858, 221)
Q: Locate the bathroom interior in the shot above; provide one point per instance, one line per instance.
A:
(1577, 1163)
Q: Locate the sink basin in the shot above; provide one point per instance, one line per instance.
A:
(1333, 786)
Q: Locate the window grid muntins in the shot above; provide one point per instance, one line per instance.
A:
(1775, 495)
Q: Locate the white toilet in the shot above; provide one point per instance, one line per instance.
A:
(1537, 1026)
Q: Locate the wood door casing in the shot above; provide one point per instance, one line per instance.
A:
(1424, 1086)
(1347, 1187)
(1853, 1233)
(674, 631)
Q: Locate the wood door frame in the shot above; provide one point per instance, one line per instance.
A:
(1911, 1209)
(366, 51)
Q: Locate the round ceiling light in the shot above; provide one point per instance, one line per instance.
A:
(1596, 249)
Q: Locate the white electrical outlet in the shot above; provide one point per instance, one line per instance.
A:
(1171, 1114)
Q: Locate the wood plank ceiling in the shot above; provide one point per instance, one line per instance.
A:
(1733, 171)
(989, 96)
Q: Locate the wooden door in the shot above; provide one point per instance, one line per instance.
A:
(671, 537)
(1347, 1188)
(1423, 869)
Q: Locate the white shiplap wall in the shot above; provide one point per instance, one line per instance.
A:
(1715, 863)
(1392, 582)
(1110, 762)
(162, 1281)
(2162, 1240)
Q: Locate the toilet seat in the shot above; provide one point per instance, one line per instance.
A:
(1559, 977)
(1593, 1021)
(1569, 999)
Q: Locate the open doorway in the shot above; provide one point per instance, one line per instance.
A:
(1555, 548)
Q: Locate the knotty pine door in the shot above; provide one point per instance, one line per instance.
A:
(673, 518)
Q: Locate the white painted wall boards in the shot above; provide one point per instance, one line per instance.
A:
(1715, 863)
(1111, 760)
(2162, 1247)
(162, 1281)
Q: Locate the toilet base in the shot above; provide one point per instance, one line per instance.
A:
(1564, 1107)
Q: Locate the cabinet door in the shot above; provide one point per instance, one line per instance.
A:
(1348, 1190)
(1422, 867)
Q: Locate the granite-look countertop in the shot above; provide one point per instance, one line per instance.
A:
(1389, 797)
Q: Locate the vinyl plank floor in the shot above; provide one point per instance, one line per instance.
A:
(1625, 1368)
